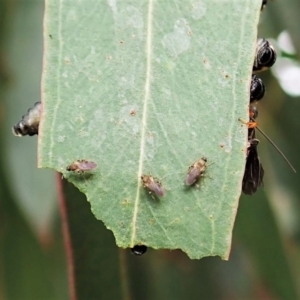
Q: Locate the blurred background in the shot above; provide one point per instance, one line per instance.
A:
(265, 257)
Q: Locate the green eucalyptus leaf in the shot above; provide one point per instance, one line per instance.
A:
(149, 87)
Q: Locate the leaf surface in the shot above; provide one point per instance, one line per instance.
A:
(149, 87)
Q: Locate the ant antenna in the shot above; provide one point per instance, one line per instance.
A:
(271, 142)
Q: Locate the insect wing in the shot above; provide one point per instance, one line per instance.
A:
(153, 185)
(254, 172)
(86, 165)
(193, 175)
(81, 166)
(156, 188)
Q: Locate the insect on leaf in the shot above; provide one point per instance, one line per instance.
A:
(150, 87)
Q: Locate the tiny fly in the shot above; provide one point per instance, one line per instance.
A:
(254, 172)
(265, 56)
(196, 171)
(29, 125)
(153, 185)
(81, 166)
(139, 250)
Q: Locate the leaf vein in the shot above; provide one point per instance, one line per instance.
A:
(144, 117)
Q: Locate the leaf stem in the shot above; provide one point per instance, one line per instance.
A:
(66, 236)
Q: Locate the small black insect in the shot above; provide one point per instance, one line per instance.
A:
(81, 166)
(139, 250)
(257, 89)
(254, 172)
(29, 125)
(265, 56)
(153, 185)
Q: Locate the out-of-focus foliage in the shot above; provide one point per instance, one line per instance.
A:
(22, 63)
(32, 264)
(265, 251)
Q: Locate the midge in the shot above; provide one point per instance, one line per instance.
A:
(153, 185)
(81, 166)
(196, 171)
(254, 172)
(265, 56)
(29, 125)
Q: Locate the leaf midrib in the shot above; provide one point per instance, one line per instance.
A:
(144, 116)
